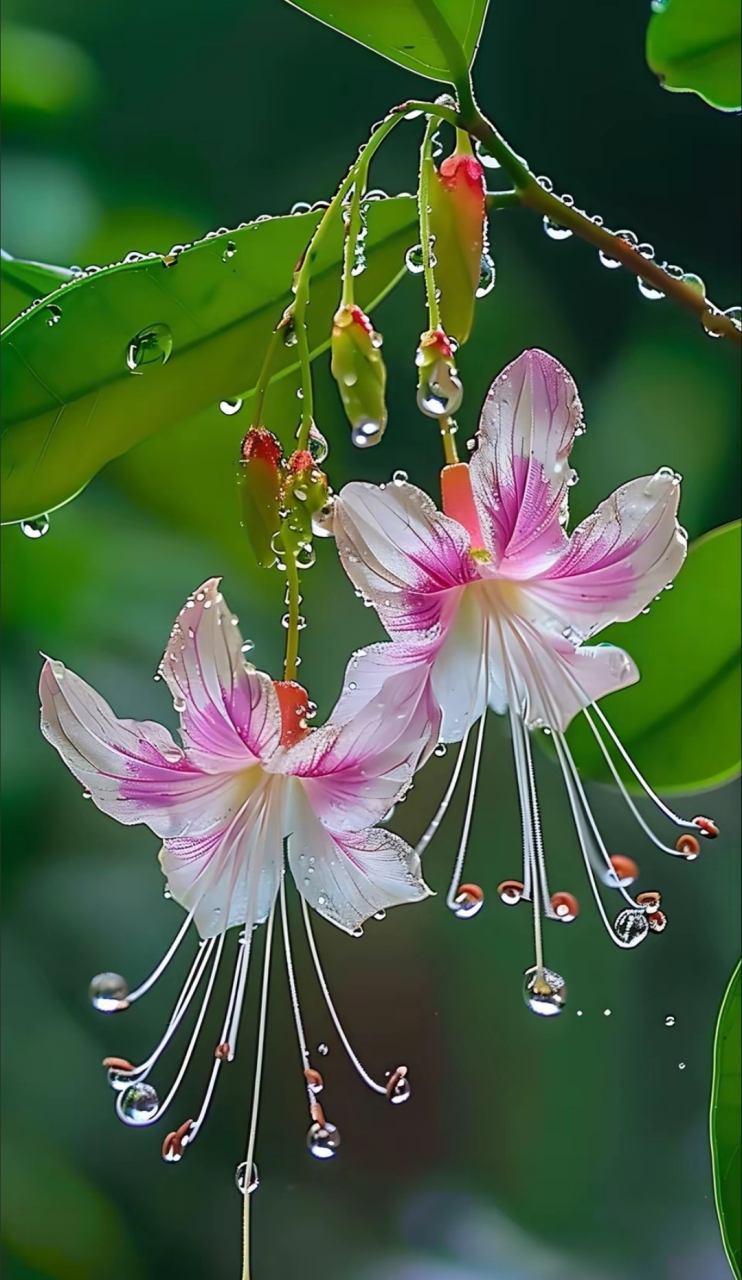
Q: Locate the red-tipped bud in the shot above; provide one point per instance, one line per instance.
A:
(439, 389)
(456, 195)
(294, 706)
(261, 475)
(305, 493)
(359, 371)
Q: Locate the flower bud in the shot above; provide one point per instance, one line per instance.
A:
(439, 389)
(456, 194)
(359, 371)
(305, 493)
(261, 474)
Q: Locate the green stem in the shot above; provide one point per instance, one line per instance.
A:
(351, 237)
(450, 452)
(434, 317)
(265, 377)
(455, 56)
(290, 663)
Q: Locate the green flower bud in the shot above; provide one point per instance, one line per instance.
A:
(261, 475)
(456, 194)
(305, 493)
(359, 371)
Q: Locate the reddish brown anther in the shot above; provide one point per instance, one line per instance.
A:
(317, 1114)
(394, 1080)
(472, 891)
(625, 868)
(510, 892)
(172, 1147)
(657, 921)
(222, 1051)
(707, 828)
(565, 906)
(688, 846)
(650, 901)
(314, 1079)
(118, 1064)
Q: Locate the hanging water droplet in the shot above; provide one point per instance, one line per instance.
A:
(323, 1140)
(54, 314)
(681, 1066)
(555, 230)
(694, 282)
(669, 1021)
(487, 160)
(138, 1104)
(318, 446)
(366, 434)
(606, 1013)
(108, 992)
(400, 478)
(150, 346)
(229, 251)
(413, 260)
(305, 558)
(544, 992)
(607, 261)
(545, 182)
(735, 315)
(239, 1178)
(659, 6)
(440, 749)
(631, 926)
(323, 1049)
(35, 528)
(247, 646)
(230, 407)
(179, 704)
(648, 290)
(486, 277)
(289, 336)
(401, 1091)
(118, 1079)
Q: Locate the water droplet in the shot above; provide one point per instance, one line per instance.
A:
(660, 6)
(631, 926)
(487, 277)
(108, 992)
(54, 313)
(555, 230)
(579, 1013)
(173, 754)
(468, 902)
(301, 206)
(35, 528)
(413, 260)
(606, 1013)
(510, 892)
(323, 1049)
(401, 1091)
(607, 261)
(669, 1021)
(681, 1066)
(735, 315)
(289, 336)
(412, 115)
(545, 182)
(239, 1178)
(118, 1079)
(247, 646)
(323, 1141)
(229, 251)
(230, 407)
(400, 478)
(544, 992)
(380, 915)
(138, 1104)
(487, 160)
(150, 346)
(648, 290)
(440, 749)
(442, 394)
(366, 434)
(318, 446)
(694, 282)
(179, 704)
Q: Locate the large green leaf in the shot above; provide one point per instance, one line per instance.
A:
(71, 402)
(407, 31)
(694, 47)
(726, 1122)
(681, 722)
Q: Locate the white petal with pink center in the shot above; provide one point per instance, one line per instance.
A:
(493, 601)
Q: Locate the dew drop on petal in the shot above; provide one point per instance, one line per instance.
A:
(400, 478)
(108, 992)
(138, 1104)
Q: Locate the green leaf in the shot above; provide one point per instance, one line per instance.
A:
(694, 47)
(416, 34)
(680, 723)
(34, 278)
(726, 1121)
(195, 332)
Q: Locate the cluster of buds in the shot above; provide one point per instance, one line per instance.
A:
(280, 497)
(439, 389)
(456, 195)
(359, 371)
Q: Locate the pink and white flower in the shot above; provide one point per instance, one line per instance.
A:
(251, 788)
(493, 602)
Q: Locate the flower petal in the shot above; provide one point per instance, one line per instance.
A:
(555, 681)
(354, 772)
(349, 876)
(458, 675)
(231, 875)
(401, 552)
(229, 711)
(133, 769)
(618, 559)
(520, 472)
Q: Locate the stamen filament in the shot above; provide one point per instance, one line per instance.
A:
(190, 986)
(259, 1055)
(367, 1079)
(458, 868)
(303, 1050)
(243, 953)
(440, 812)
(673, 817)
(165, 961)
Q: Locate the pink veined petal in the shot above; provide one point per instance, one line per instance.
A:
(369, 668)
(618, 559)
(133, 769)
(229, 711)
(401, 552)
(354, 772)
(520, 472)
(458, 675)
(230, 875)
(349, 876)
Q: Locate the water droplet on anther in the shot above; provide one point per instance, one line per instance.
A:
(544, 992)
(631, 926)
(468, 902)
(138, 1104)
(35, 528)
(401, 1091)
(230, 407)
(108, 992)
(150, 346)
(323, 1140)
(510, 892)
(239, 1178)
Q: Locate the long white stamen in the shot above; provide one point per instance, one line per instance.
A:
(303, 1050)
(666, 848)
(259, 1055)
(538, 841)
(165, 961)
(440, 813)
(367, 1079)
(521, 783)
(453, 888)
(190, 986)
(678, 821)
(243, 954)
(526, 794)
(571, 772)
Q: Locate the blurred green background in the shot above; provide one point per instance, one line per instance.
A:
(529, 1151)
